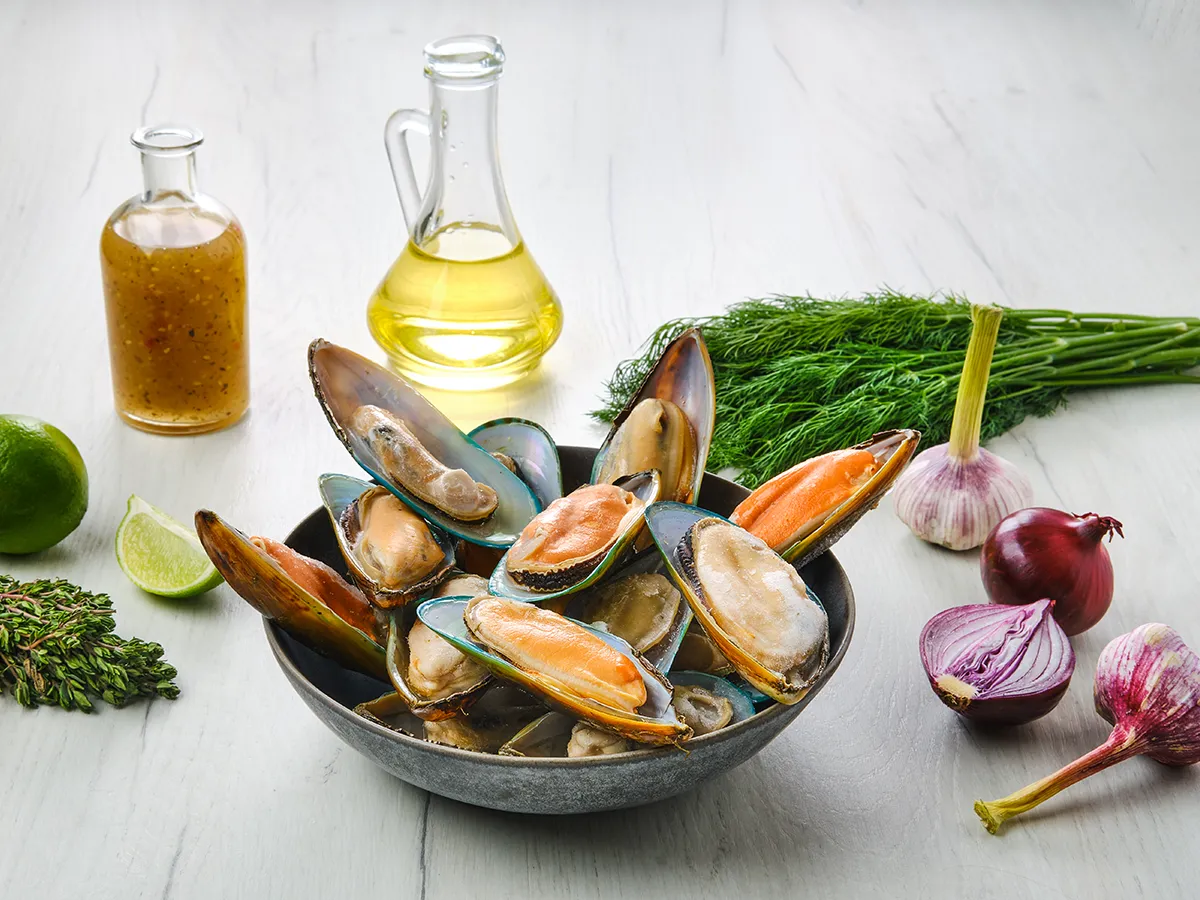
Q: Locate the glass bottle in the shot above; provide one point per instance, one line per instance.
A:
(464, 307)
(173, 262)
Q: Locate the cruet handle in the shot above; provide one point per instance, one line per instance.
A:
(396, 140)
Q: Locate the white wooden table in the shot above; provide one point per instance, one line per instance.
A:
(661, 160)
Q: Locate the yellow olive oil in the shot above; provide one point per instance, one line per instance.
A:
(466, 310)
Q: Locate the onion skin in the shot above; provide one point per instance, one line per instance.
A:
(998, 665)
(1148, 687)
(1041, 552)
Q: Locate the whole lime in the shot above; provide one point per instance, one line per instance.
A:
(43, 485)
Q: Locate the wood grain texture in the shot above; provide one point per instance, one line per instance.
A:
(662, 159)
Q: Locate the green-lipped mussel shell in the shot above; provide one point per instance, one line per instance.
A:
(400, 623)
(683, 375)
(532, 449)
(743, 708)
(662, 654)
(645, 486)
(262, 583)
(339, 494)
(668, 524)
(653, 723)
(892, 450)
(547, 736)
(345, 381)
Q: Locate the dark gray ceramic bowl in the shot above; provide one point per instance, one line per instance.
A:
(529, 785)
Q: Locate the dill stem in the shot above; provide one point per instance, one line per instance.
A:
(968, 407)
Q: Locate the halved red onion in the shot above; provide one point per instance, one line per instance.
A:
(1004, 665)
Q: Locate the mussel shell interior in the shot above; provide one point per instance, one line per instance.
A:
(645, 486)
(892, 450)
(546, 737)
(654, 720)
(531, 448)
(344, 381)
(683, 375)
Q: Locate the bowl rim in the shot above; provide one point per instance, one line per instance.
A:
(285, 661)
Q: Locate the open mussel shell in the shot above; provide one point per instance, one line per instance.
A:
(420, 699)
(263, 583)
(683, 376)
(651, 621)
(698, 653)
(702, 720)
(343, 498)
(674, 527)
(530, 448)
(545, 737)
(892, 451)
(653, 723)
(643, 485)
(345, 381)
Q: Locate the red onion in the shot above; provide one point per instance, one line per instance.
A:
(1148, 687)
(998, 664)
(1040, 552)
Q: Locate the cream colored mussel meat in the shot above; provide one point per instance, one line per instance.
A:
(588, 741)
(703, 710)
(436, 668)
(407, 462)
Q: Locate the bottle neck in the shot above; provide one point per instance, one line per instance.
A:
(466, 187)
(168, 173)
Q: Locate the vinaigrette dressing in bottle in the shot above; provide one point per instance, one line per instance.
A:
(173, 262)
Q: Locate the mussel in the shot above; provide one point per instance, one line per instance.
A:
(802, 512)
(411, 448)
(640, 604)
(407, 463)
(586, 673)
(526, 449)
(558, 735)
(500, 713)
(708, 703)
(667, 424)
(392, 553)
(751, 602)
(575, 540)
(698, 653)
(303, 596)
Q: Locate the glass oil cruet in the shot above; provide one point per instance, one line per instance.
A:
(173, 262)
(464, 307)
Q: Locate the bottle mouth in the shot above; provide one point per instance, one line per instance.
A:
(465, 58)
(167, 139)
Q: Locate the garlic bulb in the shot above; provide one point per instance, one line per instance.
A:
(955, 493)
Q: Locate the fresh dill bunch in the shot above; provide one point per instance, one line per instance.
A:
(800, 376)
(57, 647)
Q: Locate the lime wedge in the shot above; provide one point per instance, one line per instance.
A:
(160, 555)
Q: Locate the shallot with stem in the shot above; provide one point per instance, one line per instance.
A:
(1148, 687)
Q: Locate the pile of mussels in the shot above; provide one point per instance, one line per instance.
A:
(510, 618)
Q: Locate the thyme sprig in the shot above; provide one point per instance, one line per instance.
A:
(57, 647)
(800, 376)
